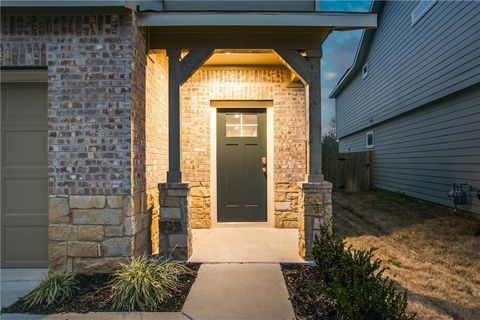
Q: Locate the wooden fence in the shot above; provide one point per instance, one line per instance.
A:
(349, 172)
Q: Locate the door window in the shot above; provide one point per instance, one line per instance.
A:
(241, 125)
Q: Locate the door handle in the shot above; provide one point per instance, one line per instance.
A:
(264, 164)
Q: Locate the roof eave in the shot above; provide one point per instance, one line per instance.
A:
(361, 54)
(337, 21)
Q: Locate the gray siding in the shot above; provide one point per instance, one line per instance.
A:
(409, 66)
(422, 153)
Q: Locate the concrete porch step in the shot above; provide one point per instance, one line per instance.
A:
(245, 244)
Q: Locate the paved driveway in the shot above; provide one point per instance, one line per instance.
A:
(15, 283)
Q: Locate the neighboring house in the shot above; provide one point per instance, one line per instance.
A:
(413, 97)
(124, 124)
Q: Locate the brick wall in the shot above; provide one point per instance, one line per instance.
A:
(96, 128)
(156, 136)
(243, 83)
(88, 90)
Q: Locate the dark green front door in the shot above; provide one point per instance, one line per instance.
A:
(241, 165)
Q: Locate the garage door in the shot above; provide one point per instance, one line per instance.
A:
(24, 157)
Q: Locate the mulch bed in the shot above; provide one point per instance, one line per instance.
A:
(307, 292)
(92, 294)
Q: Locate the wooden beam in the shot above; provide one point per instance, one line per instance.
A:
(192, 61)
(236, 38)
(295, 61)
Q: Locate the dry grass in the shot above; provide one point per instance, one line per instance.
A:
(430, 250)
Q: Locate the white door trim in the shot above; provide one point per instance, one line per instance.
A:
(261, 104)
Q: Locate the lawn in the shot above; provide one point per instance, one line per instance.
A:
(429, 250)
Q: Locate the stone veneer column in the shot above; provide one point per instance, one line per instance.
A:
(314, 210)
(90, 233)
(175, 230)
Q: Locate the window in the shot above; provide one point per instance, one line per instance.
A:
(370, 139)
(365, 71)
(422, 7)
(241, 125)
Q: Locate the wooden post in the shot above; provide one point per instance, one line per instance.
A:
(174, 174)
(371, 182)
(179, 70)
(308, 68)
(314, 171)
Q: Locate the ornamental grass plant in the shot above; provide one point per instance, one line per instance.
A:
(56, 287)
(142, 285)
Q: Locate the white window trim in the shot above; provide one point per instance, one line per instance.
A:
(412, 18)
(364, 74)
(370, 146)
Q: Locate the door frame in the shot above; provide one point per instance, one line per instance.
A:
(242, 104)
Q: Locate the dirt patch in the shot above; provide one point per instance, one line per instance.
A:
(92, 293)
(429, 250)
(307, 292)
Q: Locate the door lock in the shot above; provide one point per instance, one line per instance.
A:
(264, 164)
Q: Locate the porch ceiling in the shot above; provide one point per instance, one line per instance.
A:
(243, 30)
(234, 58)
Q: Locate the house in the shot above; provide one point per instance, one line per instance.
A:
(127, 123)
(413, 97)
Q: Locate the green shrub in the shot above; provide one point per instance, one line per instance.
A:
(355, 281)
(54, 288)
(143, 285)
(329, 253)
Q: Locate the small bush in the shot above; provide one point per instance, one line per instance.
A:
(54, 288)
(143, 285)
(329, 253)
(355, 281)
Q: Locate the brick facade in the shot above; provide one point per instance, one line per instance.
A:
(108, 136)
(97, 132)
(244, 83)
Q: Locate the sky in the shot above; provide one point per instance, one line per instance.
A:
(338, 53)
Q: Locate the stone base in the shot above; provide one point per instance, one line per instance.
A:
(314, 211)
(175, 230)
(96, 233)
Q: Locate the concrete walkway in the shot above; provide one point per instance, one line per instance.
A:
(15, 283)
(239, 291)
(245, 244)
(222, 291)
